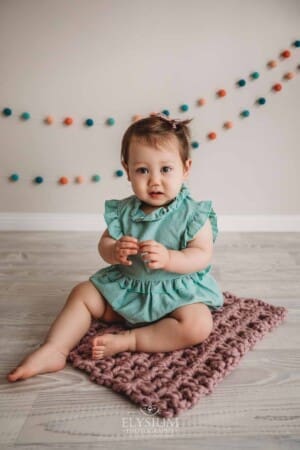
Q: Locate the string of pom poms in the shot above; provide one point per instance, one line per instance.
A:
(211, 135)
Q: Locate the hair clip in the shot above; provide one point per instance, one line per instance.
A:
(173, 122)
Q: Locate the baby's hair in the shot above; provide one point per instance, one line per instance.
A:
(157, 129)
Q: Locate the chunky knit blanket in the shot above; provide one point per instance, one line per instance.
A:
(167, 383)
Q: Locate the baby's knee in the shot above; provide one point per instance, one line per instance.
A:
(199, 326)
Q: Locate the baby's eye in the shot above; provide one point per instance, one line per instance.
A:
(166, 169)
(142, 170)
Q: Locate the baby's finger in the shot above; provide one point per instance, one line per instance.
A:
(128, 239)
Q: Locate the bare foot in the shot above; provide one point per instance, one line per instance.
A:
(47, 358)
(109, 344)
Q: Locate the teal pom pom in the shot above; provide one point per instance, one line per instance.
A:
(184, 107)
(195, 144)
(241, 83)
(261, 101)
(7, 112)
(89, 122)
(96, 178)
(14, 177)
(119, 173)
(25, 116)
(297, 43)
(255, 75)
(245, 113)
(110, 121)
(38, 180)
(166, 112)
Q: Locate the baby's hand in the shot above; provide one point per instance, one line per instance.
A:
(124, 247)
(154, 254)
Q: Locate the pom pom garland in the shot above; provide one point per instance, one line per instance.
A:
(119, 173)
(277, 87)
(241, 83)
(245, 113)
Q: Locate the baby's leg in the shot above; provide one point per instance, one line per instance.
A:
(186, 326)
(83, 303)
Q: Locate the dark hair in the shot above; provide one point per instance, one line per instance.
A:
(157, 129)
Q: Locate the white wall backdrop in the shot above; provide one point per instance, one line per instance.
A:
(116, 58)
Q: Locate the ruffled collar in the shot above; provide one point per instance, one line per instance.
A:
(137, 215)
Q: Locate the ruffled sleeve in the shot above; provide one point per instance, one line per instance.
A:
(111, 216)
(202, 211)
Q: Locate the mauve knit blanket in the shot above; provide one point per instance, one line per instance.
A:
(167, 383)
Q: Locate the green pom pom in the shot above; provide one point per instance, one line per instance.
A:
(25, 116)
(166, 112)
(184, 107)
(195, 144)
(89, 122)
(38, 180)
(254, 75)
(110, 121)
(245, 113)
(119, 173)
(14, 177)
(261, 101)
(7, 112)
(96, 178)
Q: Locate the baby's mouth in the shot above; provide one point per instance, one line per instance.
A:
(155, 193)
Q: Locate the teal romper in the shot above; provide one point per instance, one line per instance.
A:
(142, 295)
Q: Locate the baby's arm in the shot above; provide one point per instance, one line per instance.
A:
(117, 252)
(196, 257)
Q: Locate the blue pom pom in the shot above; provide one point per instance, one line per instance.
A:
(297, 43)
(119, 173)
(245, 113)
(38, 180)
(7, 112)
(166, 112)
(25, 116)
(89, 122)
(195, 144)
(241, 83)
(14, 177)
(184, 107)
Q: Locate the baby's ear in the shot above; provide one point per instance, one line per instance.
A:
(126, 169)
(187, 167)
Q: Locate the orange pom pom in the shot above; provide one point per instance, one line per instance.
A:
(201, 101)
(286, 54)
(212, 135)
(49, 120)
(64, 180)
(228, 125)
(289, 76)
(136, 118)
(79, 179)
(222, 93)
(277, 87)
(68, 121)
(272, 64)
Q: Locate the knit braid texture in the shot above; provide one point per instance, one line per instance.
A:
(171, 382)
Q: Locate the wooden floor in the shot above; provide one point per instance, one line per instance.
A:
(256, 407)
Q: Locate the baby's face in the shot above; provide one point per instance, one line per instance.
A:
(156, 174)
